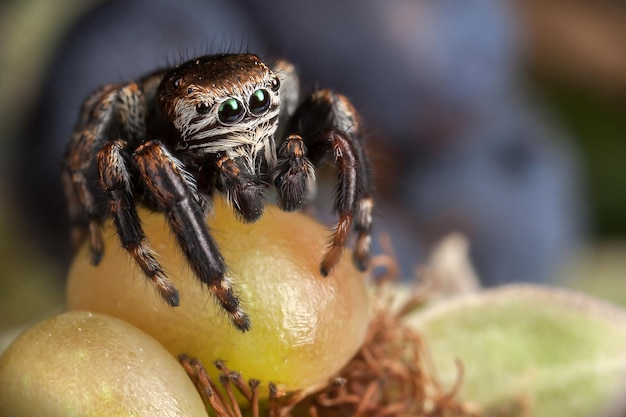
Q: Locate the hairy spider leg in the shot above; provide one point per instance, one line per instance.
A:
(175, 191)
(330, 131)
(96, 116)
(363, 226)
(363, 221)
(115, 180)
(101, 113)
(348, 194)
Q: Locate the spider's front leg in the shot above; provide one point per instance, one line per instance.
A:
(115, 179)
(113, 108)
(175, 191)
(326, 128)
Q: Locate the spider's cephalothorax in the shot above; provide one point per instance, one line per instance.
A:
(221, 123)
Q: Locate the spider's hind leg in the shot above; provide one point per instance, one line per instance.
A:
(85, 215)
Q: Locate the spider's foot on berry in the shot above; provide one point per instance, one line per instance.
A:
(96, 244)
(167, 291)
(338, 241)
(230, 303)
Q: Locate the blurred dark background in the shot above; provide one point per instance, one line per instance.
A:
(505, 120)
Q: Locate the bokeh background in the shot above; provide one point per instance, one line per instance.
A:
(502, 119)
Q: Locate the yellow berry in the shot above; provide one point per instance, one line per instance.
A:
(305, 327)
(85, 364)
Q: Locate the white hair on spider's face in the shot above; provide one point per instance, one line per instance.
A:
(239, 121)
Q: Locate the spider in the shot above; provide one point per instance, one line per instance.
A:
(226, 124)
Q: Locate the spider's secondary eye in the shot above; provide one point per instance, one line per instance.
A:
(275, 84)
(259, 101)
(230, 111)
(203, 108)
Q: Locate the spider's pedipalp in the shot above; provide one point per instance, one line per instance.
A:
(165, 179)
(294, 175)
(244, 192)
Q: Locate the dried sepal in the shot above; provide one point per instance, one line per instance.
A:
(205, 386)
(212, 396)
(391, 375)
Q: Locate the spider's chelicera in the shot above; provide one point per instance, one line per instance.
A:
(220, 123)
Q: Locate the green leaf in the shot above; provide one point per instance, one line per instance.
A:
(532, 350)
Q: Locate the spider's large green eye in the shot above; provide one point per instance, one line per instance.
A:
(259, 101)
(230, 111)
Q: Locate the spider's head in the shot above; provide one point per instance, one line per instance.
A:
(221, 102)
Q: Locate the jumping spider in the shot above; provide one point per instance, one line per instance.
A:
(220, 123)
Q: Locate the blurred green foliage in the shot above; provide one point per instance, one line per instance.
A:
(598, 126)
